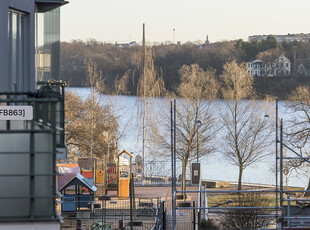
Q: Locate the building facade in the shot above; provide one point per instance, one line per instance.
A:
(279, 67)
(29, 40)
(283, 38)
(29, 44)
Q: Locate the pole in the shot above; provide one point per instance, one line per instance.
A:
(144, 103)
(131, 206)
(277, 140)
(194, 216)
(197, 143)
(281, 171)
(172, 167)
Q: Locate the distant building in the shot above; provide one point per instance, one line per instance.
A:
(279, 67)
(207, 40)
(283, 38)
(130, 44)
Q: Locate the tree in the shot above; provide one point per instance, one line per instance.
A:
(298, 130)
(150, 86)
(247, 133)
(197, 90)
(78, 128)
(272, 61)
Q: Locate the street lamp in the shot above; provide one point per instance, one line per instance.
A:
(199, 123)
(277, 141)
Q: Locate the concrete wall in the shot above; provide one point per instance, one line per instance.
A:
(27, 6)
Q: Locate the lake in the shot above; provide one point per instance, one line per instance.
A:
(214, 166)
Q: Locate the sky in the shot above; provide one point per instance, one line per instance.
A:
(192, 20)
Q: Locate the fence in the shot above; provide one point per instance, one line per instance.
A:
(113, 212)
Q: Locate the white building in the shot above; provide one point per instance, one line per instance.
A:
(282, 38)
(279, 67)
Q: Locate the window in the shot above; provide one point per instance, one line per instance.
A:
(286, 64)
(18, 50)
(47, 45)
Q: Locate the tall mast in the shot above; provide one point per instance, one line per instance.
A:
(144, 100)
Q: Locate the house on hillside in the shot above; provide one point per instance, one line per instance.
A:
(256, 67)
(279, 67)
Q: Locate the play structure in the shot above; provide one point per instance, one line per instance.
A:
(90, 172)
(78, 193)
(125, 171)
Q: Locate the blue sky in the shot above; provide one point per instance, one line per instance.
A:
(121, 20)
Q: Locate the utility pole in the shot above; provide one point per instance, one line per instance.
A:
(173, 162)
(144, 102)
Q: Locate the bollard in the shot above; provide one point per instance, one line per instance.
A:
(78, 224)
(120, 224)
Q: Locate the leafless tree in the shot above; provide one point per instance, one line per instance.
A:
(271, 61)
(78, 128)
(247, 132)
(298, 130)
(150, 86)
(197, 91)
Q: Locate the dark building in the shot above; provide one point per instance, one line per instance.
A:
(31, 113)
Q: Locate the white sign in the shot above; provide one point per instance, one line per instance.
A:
(16, 113)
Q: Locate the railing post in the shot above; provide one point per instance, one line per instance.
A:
(164, 216)
(194, 216)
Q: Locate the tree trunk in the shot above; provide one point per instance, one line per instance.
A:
(307, 194)
(240, 177)
(183, 176)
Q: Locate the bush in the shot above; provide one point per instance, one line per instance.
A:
(246, 218)
(207, 224)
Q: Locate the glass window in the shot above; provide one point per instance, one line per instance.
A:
(47, 45)
(18, 50)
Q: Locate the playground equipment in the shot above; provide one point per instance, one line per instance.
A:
(88, 167)
(124, 173)
(77, 193)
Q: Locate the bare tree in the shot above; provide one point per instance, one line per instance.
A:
(271, 61)
(197, 91)
(298, 131)
(78, 128)
(247, 133)
(150, 86)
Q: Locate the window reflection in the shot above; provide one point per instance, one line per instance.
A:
(47, 45)
(17, 30)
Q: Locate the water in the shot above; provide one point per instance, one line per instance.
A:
(215, 166)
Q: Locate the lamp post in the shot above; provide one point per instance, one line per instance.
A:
(199, 123)
(277, 141)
